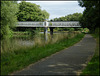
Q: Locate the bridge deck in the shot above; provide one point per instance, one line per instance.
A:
(49, 24)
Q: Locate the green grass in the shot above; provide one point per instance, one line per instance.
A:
(92, 69)
(19, 59)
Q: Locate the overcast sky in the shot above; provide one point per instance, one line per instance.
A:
(59, 8)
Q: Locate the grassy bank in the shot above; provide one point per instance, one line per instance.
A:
(92, 69)
(21, 58)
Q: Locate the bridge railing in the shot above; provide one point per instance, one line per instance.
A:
(64, 24)
(30, 24)
(49, 24)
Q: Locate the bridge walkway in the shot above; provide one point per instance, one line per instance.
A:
(69, 61)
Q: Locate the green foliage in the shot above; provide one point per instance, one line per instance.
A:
(6, 32)
(59, 29)
(90, 18)
(8, 17)
(97, 32)
(85, 30)
(71, 29)
(92, 68)
(70, 17)
(37, 31)
(31, 12)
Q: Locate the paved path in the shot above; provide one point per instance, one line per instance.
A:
(69, 61)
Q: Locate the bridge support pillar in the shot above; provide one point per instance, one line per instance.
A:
(46, 33)
(45, 30)
(51, 31)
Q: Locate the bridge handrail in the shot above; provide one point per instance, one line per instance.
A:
(50, 24)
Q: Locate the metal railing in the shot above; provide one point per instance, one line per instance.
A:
(49, 24)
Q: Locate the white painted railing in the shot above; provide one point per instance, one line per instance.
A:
(49, 24)
(30, 24)
(64, 24)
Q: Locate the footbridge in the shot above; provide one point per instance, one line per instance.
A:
(49, 24)
(46, 25)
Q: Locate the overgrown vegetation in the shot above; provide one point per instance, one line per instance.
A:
(90, 18)
(8, 18)
(92, 69)
(18, 59)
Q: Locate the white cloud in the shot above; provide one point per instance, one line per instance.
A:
(59, 8)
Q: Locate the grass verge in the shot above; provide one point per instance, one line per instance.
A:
(19, 59)
(92, 69)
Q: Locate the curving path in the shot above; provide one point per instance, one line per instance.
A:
(69, 61)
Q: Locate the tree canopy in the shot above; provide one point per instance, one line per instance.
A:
(70, 17)
(8, 17)
(90, 18)
(31, 12)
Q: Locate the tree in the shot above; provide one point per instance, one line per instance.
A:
(70, 17)
(45, 14)
(8, 17)
(90, 18)
(31, 12)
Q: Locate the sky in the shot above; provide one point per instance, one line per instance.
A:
(58, 9)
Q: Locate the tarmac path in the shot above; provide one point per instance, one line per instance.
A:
(69, 61)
